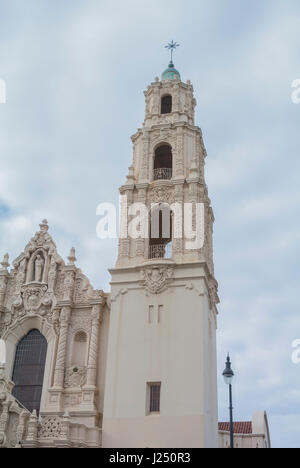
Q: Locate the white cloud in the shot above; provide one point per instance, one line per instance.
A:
(75, 74)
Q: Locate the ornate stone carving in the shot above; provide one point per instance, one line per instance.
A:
(81, 320)
(50, 428)
(69, 284)
(155, 279)
(213, 292)
(5, 262)
(62, 347)
(75, 376)
(124, 247)
(83, 290)
(12, 415)
(52, 274)
(21, 275)
(34, 297)
(39, 268)
(162, 194)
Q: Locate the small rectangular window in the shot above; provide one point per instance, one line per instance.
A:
(154, 397)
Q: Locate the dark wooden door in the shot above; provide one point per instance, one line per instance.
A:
(29, 367)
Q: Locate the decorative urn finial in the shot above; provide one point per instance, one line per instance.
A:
(72, 257)
(5, 262)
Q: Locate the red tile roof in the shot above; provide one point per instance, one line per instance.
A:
(243, 427)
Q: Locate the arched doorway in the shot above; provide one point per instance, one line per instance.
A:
(29, 367)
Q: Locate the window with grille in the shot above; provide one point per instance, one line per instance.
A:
(154, 397)
(29, 367)
(166, 104)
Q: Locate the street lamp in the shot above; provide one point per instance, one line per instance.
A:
(228, 376)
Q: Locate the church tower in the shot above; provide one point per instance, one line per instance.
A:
(161, 388)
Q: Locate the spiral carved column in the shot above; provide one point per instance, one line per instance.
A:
(62, 347)
(93, 348)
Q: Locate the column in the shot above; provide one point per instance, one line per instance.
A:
(62, 347)
(93, 348)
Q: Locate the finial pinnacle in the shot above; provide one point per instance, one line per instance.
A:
(130, 176)
(72, 257)
(5, 262)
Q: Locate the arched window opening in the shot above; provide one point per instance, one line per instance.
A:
(79, 349)
(160, 238)
(163, 162)
(166, 104)
(29, 368)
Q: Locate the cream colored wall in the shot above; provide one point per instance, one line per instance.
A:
(173, 351)
(102, 358)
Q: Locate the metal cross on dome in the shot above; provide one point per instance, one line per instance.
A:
(172, 46)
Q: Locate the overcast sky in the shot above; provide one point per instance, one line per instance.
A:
(75, 72)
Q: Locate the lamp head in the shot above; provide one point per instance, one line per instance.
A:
(228, 372)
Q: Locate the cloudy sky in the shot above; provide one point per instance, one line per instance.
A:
(75, 72)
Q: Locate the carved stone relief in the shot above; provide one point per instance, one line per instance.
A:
(75, 377)
(155, 279)
(50, 428)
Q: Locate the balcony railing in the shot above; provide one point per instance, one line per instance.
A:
(163, 173)
(160, 250)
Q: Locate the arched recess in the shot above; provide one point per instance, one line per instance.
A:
(166, 104)
(31, 273)
(29, 368)
(14, 334)
(160, 231)
(163, 162)
(79, 352)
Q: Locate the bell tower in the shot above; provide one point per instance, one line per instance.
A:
(161, 388)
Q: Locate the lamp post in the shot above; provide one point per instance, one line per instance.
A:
(228, 376)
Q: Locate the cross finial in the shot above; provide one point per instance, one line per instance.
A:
(172, 46)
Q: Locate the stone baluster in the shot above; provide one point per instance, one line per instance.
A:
(62, 347)
(94, 344)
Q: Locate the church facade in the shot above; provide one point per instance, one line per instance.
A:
(135, 367)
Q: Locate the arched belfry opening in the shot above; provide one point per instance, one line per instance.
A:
(29, 368)
(166, 104)
(160, 235)
(163, 162)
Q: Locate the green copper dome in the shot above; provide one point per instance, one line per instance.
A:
(170, 73)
